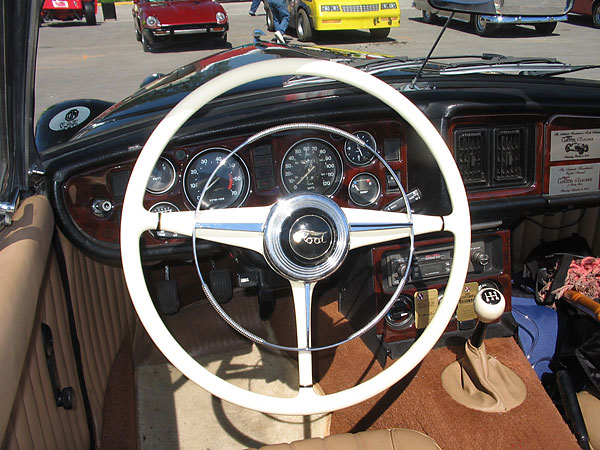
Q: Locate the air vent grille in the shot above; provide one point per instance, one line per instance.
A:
(470, 148)
(494, 157)
(509, 155)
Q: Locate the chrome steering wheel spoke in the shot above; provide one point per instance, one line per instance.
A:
(239, 227)
(368, 227)
(302, 293)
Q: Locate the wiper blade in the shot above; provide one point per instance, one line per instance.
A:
(396, 64)
(530, 68)
(528, 65)
(484, 63)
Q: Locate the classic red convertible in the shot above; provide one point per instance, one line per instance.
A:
(70, 10)
(159, 20)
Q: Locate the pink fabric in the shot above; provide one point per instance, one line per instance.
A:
(583, 276)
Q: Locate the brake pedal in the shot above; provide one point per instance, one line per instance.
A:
(220, 285)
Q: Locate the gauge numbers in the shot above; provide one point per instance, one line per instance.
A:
(312, 165)
(162, 177)
(364, 189)
(358, 154)
(229, 187)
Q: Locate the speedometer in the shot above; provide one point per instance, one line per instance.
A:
(312, 165)
(229, 186)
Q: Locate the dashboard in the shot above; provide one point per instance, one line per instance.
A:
(520, 148)
(302, 160)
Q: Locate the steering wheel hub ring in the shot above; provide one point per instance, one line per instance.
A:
(306, 237)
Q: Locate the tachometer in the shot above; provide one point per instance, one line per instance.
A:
(229, 186)
(312, 165)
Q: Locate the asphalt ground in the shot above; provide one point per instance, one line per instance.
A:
(106, 62)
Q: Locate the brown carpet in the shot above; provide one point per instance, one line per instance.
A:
(119, 429)
(419, 402)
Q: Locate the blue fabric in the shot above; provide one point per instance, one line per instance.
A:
(254, 6)
(281, 15)
(538, 327)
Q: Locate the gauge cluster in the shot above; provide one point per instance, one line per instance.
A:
(350, 171)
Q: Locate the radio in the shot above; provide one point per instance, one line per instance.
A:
(426, 279)
(434, 261)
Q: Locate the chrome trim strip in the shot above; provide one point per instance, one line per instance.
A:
(251, 227)
(524, 19)
(358, 227)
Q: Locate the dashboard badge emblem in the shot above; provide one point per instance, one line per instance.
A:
(310, 237)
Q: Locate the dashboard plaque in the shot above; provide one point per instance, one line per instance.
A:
(466, 305)
(568, 145)
(574, 179)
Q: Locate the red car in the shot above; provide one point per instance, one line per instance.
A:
(70, 10)
(588, 8)
(162, 20)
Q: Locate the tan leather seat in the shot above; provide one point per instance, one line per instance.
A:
(590, 408)
(395, 439)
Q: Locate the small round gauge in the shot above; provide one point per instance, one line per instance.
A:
(364, 189)
(312, 165)
(229, 186)
(163, 207)
(162, 177)
(357, 154)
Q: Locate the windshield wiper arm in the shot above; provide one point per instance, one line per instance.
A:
(518, 66)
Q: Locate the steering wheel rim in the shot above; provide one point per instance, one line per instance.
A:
(136, 220)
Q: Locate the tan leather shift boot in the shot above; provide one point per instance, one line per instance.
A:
(479, 381)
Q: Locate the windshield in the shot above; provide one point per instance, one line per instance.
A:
(107, 62)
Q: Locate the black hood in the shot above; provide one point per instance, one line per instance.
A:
(164, 93)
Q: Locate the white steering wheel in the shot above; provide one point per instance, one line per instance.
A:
(258, 229)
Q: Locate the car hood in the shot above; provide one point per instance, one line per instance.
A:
(180, 13)
(163, 94)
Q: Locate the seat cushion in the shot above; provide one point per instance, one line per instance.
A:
(395, 439)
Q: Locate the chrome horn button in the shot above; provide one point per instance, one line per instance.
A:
(306, 237)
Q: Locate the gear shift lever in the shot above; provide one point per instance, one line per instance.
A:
(489, 305)
(479, 381)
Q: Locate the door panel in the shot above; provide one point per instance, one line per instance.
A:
(104, 316)
(32, 294)
(36, 422)
(24, 248)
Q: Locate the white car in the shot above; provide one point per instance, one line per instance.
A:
(542, 15)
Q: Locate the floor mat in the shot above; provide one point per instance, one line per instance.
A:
(419, 401)
(174, 413)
